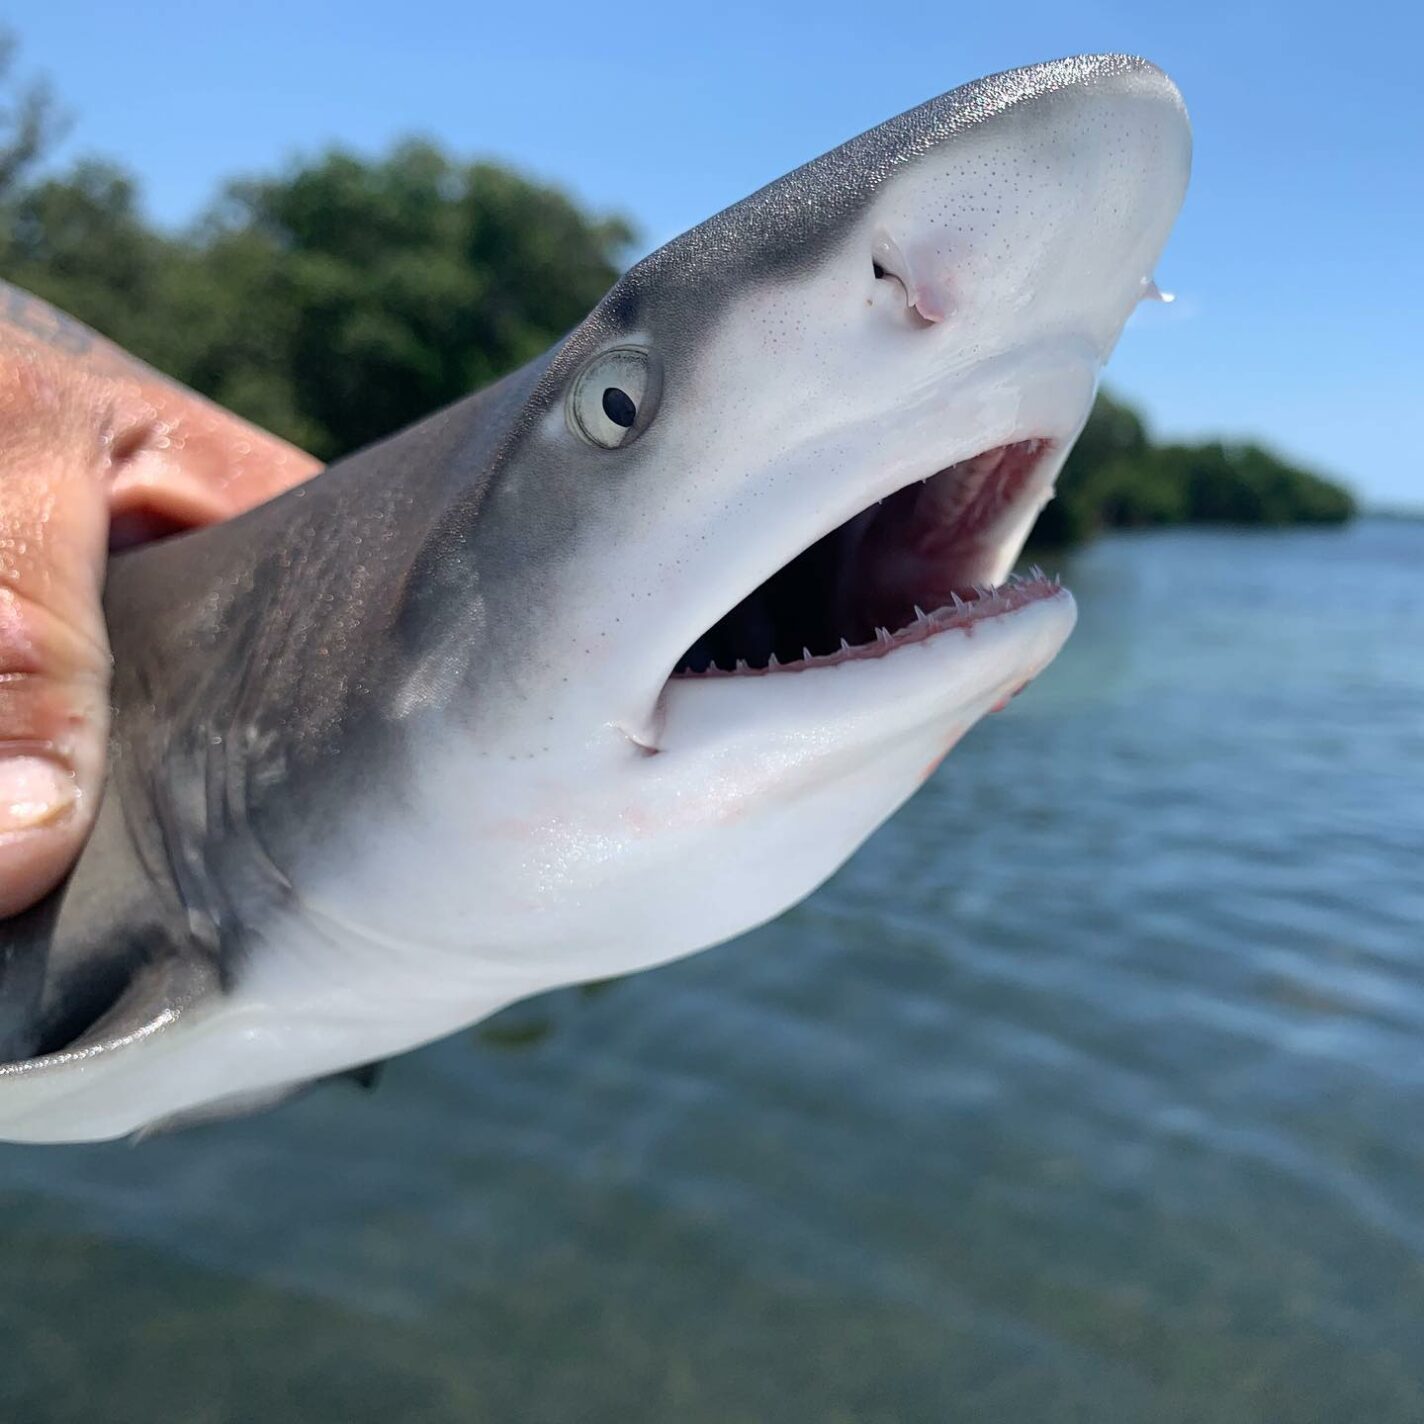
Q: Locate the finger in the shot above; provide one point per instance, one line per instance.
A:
(86, 431)
(179, 461)
(53, 650)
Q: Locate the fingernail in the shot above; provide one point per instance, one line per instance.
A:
(34, 792)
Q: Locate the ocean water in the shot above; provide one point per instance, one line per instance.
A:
(1091, 1090)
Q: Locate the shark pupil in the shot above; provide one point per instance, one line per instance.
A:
(618, 407)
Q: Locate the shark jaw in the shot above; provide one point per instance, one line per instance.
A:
(838, 684)
(916, 564)
(901, 626)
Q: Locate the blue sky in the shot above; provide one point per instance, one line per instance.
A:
(1297, 260)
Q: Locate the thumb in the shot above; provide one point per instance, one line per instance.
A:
(86, 430)
(54, 657)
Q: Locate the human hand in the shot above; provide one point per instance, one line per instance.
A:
(97, 451)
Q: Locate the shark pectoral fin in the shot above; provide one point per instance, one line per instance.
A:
(220, 1110)
(366, 1078)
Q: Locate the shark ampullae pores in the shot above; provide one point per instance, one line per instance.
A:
(612, 660)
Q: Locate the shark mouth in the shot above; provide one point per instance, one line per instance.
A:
(914, 564)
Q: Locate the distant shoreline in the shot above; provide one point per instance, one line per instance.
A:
(1117, 477)
(1395, 514)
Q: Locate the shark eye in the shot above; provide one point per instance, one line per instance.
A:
(614, 397)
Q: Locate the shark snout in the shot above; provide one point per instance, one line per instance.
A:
(1041, 219)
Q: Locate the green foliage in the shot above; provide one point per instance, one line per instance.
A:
(1246, 484)
(30, 121)
(1117, 478)
(332, 303)
(81, 243)
(353, 296)
(347, 296)
(1113, 436)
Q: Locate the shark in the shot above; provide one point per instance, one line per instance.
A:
(617, 658)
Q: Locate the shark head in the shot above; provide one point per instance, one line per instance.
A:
(772, 488)
(710, 590)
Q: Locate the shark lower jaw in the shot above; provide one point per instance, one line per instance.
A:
(909, 600)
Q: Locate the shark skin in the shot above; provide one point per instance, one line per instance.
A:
(617, 658)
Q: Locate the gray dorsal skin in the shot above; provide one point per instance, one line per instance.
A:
(257, 670)
(405, 744)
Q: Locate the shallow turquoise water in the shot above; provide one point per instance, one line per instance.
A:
(1092, 1089)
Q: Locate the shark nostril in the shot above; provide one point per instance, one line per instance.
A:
(889, 263)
